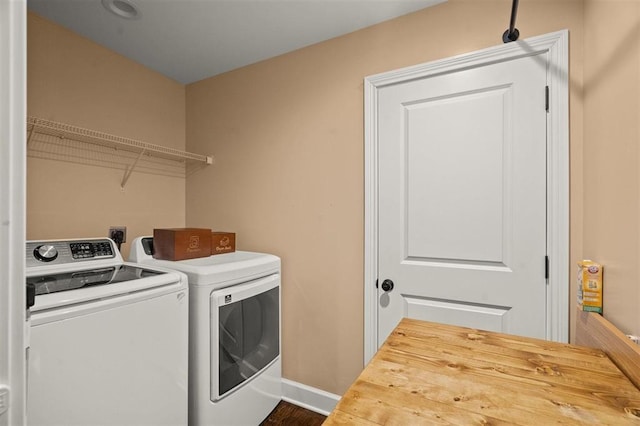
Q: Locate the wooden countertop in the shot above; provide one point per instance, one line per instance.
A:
(429, 373)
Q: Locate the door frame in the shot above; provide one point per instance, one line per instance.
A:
(556, 46)
(13, 330)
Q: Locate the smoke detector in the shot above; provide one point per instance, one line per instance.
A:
(122, 8)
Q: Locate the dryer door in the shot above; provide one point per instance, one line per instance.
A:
(247, 337)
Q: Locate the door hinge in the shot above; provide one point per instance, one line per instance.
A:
(546, 98)
(546, 267)
(4, 399)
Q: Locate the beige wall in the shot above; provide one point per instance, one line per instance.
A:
(287, 134)
(611, 156)
(75, 81)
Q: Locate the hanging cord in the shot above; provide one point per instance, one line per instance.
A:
(512, 33)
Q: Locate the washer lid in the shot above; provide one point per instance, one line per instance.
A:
(73, 288)
(219, 270)
(74, 280)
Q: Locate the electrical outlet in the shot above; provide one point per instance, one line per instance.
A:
(118, 234)
(634, 339)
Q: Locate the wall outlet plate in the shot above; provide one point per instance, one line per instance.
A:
(114, 232)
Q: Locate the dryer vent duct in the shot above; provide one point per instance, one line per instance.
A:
(512, 33)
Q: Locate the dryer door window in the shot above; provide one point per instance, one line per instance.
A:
(248, 335)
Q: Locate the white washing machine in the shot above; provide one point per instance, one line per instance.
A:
(108, 339)
(235, 372)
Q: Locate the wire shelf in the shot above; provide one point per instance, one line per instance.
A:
(131, 150)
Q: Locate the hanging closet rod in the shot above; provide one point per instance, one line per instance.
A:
(512, 33)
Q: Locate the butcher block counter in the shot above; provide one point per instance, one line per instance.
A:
(429, 373)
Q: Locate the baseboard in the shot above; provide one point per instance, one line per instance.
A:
(308, 397)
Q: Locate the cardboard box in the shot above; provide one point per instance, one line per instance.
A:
(181, 243)
(223, 242)
(590, 286)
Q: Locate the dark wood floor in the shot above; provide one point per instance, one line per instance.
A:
(291, 415)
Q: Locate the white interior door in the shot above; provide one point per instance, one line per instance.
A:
(464, 171)
(462, 198)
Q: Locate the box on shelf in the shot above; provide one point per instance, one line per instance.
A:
(223, 242)
(181, 243)
(590, 286)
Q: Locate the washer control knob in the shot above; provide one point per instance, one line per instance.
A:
(45, 253)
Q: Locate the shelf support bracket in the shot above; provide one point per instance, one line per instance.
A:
(31, 131)
(129, 170)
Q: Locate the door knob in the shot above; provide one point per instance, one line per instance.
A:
(387, 285)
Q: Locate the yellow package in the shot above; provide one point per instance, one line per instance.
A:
(590, 286)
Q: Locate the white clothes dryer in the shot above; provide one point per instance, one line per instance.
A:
(235, 372)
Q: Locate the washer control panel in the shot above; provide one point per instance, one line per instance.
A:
(41, 253)
(84, 250)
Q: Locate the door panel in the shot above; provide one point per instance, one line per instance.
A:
(485, 317)
(448, 169)
(462, 198)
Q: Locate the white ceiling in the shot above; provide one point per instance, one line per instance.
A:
(188, 40)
